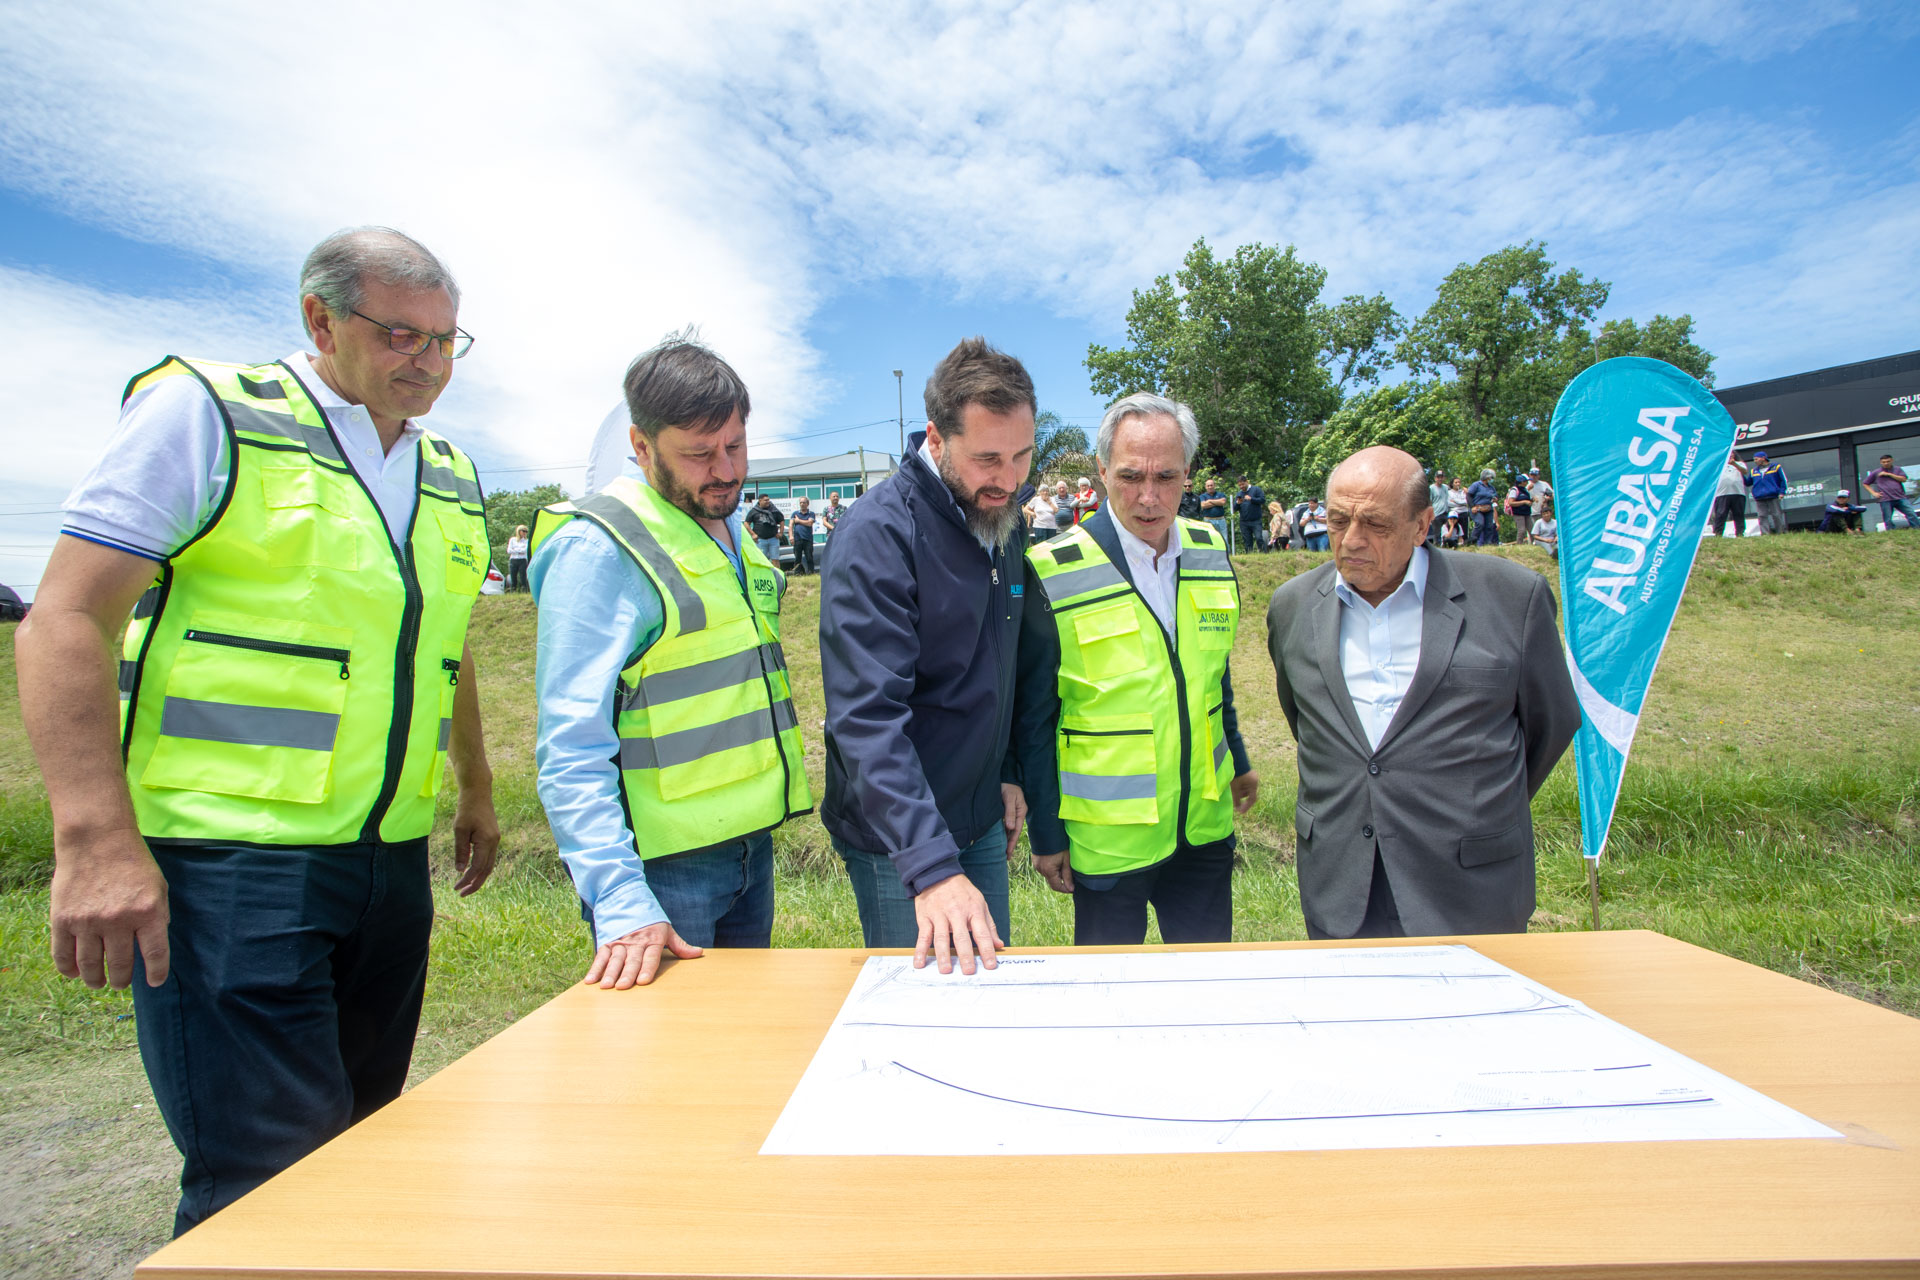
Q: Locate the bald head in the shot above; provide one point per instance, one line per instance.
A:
(1377, 513)
(1383, 469)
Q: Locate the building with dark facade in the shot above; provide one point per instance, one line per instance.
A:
(1828, 428)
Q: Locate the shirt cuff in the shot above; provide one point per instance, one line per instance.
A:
(624, 907)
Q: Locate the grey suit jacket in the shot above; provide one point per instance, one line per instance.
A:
(1445, 798)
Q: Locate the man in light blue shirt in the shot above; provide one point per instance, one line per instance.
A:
(599, 613)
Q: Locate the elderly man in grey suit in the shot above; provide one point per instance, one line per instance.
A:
(1429, 699)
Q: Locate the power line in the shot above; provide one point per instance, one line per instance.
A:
(49, 511)
(808, 435)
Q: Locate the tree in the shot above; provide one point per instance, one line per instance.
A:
(1053, 440)
(1421, 417)
(512, 507)
(1356, 338)
(1236, 341)
(1505, 327)
(1668, 338)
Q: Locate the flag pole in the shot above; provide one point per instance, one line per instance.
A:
(1593, 888)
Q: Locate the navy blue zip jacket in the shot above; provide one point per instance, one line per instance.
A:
(919, 627)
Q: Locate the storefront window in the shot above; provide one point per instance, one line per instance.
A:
(1812, 481)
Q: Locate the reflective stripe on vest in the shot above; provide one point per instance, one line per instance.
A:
(1142, 749)
(710, 747)
(289, 679)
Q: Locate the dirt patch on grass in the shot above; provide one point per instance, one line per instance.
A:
(88, 1176)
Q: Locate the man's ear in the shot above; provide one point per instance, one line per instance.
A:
(320, 323)
(642, 447)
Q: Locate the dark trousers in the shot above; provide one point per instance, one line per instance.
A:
(1191, 893)
(1382, 919)
(803, 556)
(1730, 506)
(290, 1006)
(516, 574)
(1486, 529)
(1249, 536)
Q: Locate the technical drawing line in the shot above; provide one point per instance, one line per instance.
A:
(1166, 982)
(1169, 1026)
(1636, 1066)
(1360, 1115)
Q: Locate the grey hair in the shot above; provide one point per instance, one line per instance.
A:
(1144, 404)
(336, 271)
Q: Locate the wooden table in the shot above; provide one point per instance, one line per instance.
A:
(616, 1134)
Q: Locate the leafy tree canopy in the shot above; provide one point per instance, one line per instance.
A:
(1053, 441)
(1236, 340)
(510, 507)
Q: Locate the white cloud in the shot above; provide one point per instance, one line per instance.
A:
(600, 174)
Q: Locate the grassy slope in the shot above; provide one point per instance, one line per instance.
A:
(1769, 813)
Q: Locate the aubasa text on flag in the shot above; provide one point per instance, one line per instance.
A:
(1637, 447)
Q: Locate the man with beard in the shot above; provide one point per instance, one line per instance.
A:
(919, 623)
(668, 748)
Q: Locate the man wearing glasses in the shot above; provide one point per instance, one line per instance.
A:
(245, 839)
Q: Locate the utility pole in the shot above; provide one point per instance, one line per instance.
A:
(900, 394)
(862, 486)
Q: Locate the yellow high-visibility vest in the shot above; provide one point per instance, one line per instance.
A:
(289, 677)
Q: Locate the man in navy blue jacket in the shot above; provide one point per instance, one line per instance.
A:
(919, 627)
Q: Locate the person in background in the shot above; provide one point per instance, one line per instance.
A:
(919, 631)
(763, 525)
(1538, 488)
(800, 529)
(1086, 501)
(1213, 509)
(1062, 506)
(1730, 498)
(1313, 525)
(830, 517)
(1456, 510)
(517, 559)
(1189, 502)
(241, 832)
(667, 749)
(1888, 485)
(1481, 498)
(1437, 494)
(1767, 482)
(1546, 530)
(1842, 515)
(1123, 822)
(1519, 505)
(1250, 504)
(1279, 530)
(1041, 523)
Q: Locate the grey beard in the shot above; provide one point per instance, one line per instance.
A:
(992, 525)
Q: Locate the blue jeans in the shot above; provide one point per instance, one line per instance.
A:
(1219, 524)
(719, 897)
(1890, 505)
(1315, 541)
(770, 548)
(886, 908)
(290, 1005)
(1486, 529)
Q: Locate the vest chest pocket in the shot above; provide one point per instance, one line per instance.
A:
(466, 559)
(1215, 607)
(249, 714)
(1109, 640)
(1108, 772)
(303, 524)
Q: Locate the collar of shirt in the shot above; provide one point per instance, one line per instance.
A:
(1414, 584)
(926, 456)
(1154, 582)
(339, 411)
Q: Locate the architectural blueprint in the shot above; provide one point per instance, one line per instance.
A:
(1242, 1051)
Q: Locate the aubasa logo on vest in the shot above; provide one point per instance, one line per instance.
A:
(462, 554)
(763, 586)
(1215, 620)
(1642, 519)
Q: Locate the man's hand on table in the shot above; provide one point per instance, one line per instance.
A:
(954, 921)
(634, 960)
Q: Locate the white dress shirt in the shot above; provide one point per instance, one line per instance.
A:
(1380, 646)
(1155, 582)
(163, 473)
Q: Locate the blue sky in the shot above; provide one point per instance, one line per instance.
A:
(834, 192)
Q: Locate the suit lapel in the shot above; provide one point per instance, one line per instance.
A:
(1440, 619)
(1326, 643)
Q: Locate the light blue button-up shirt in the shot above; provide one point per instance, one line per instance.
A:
(1380, 646)
(598, 611)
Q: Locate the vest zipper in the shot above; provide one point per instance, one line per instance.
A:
(274, 646)
(452, 667)
(1104, 733)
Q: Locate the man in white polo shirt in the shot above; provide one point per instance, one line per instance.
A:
(245, 828)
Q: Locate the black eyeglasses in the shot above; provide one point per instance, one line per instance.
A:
(411, 342)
